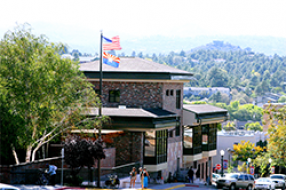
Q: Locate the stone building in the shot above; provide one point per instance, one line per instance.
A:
(144, 101)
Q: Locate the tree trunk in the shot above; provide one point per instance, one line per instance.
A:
(34, 151)
(28, 153)
(15, 154)
(43, 152)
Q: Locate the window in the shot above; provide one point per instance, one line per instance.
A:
(161, 137)
(150, 144)
(171, 92)
(96, 90)
(178, 128)
(188, 138)
(171, 133)
(178, 99)
(114, 96)
(205, 139)
(156, 146)
(167, 92)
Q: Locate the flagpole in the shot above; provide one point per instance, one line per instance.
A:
(100, 110)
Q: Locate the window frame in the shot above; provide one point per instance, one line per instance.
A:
(114, 96)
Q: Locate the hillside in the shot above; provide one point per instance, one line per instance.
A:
(248, 74)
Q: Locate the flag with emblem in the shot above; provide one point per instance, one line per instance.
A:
(111, 60)
(111, 44)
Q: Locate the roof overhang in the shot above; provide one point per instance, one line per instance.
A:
(137, 119)
(131, 76)
(203, 114)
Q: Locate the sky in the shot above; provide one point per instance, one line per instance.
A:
(70, 20)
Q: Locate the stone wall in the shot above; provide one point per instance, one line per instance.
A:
(133, 94)
(175, 151)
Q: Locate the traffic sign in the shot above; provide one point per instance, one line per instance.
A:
(218, 166)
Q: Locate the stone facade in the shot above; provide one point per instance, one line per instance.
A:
(175, 153)
(146, 95)
(133, 94)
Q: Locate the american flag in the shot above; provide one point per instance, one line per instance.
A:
(112, 44)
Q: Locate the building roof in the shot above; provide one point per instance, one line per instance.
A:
(202, 108)
(133, 112)
(135, 68)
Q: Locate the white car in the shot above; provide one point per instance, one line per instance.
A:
(7, 187)
(264, 183)
(279, 179)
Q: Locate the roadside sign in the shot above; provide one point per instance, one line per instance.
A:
(225, 164)
(218, 166)
(251, 171)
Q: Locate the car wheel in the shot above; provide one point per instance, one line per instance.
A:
(249, 187)
(232, 187)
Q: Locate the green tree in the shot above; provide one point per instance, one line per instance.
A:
(254, 126)
(276, 123)
(282, 99)
(42, 94)
(140, 54)
(230, 126)
(245, 149)
(183, 53)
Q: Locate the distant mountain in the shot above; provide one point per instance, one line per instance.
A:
(86, 40)
(218, 45)
(160, 44)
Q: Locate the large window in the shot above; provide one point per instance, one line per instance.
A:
(155, 146)
(178, 99)
(188, 138)
(150, 140)
(161, 146)
(114, 96)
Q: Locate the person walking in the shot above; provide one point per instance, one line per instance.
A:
(146, 177)
(141, 176)
(52, 173)
(133, 174)
(191, 174)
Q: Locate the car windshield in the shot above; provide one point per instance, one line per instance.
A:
(263, 180)
(276, 177)
(232, 176)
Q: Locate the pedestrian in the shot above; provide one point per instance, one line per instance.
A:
(133, 174)
(52, 173)
(146, 177)
(191, 174)
(141, 176)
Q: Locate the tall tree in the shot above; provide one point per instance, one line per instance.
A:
(276, 123)
(42, 94)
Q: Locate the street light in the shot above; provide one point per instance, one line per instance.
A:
(229, 150)
(222, 154)
(270, 160)
(248, 164)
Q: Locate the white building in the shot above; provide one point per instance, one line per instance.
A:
(226, 140)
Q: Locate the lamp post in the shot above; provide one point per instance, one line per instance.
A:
(222, 154)
(229, 153)
(248, 164)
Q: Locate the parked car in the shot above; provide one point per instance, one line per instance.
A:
(215, 177)
(264, 183)
(234, 181)
(280, 180)
(8, 187)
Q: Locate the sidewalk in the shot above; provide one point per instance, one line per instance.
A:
(166, 186)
